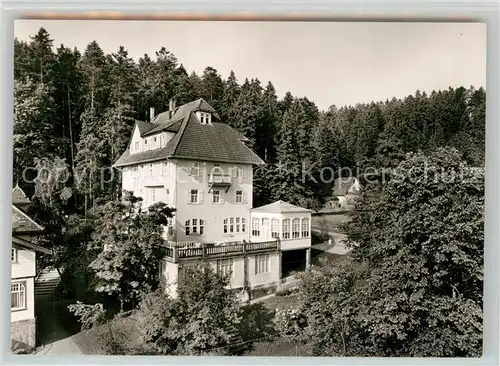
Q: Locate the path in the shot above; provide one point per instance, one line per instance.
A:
(62, 347)
(52, 335)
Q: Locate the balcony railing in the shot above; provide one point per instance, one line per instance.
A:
(219, 179)
(176, 253)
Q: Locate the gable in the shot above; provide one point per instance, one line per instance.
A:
(22, 223)
(216, 141)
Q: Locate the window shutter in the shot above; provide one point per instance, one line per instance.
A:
(243, 196)
(200, 195)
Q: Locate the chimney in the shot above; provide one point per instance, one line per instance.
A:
(171, 107)
(151, 113)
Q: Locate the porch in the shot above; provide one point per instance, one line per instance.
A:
(176, 251)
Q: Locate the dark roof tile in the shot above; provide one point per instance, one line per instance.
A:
(211, 142)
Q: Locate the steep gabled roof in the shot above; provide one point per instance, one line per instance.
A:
(18, 196)
(144, 127)
(185, 109)
(22, 223)
(280, 207)
(215, 141)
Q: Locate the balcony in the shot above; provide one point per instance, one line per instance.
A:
(199, 251)
(219, 180)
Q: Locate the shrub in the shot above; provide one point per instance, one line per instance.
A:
(89, 315)
(289, 322)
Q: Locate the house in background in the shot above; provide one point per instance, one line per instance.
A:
(189, 159)
(344, 193)
(23, 272)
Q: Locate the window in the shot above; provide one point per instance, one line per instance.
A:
(164, 170)
(145, 144)
(194, 196)
(286, 228)
(204, 118)
(18, 295)
(234, 224)
(195, 169)
(150, 169)
(296, 228)
(275, 228)
(14, 255)
(217, 169)
(170, 226)
(216, 196)
(225, 267)
(162, 267)
(261, 263)
(255, 227)
(195, 227)
(237, 172)
(167, 195)
(305, 228)
(239, 197)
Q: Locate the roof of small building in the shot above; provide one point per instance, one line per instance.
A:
(280, 207)
(18, 196)
(215, 141)
(342, 185)
(22, 223)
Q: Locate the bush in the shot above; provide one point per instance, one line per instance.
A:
(287, 291)
(289, 322)
(256, 322)
(89, 315)
(319, 237)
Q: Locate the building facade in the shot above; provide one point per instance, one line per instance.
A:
(189, 159)
(23, 273)
(344, 193)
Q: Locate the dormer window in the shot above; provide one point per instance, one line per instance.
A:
(205, 118)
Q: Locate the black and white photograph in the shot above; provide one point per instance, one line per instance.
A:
(248, 188)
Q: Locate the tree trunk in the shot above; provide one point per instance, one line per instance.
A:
(70, 129)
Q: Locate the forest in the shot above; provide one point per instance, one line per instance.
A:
(76, 109)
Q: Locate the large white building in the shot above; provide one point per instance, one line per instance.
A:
(189, 159)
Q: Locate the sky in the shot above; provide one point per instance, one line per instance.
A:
(330, 63)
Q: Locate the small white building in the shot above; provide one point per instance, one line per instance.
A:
(23, 272)
(291, 225)
(344, 193)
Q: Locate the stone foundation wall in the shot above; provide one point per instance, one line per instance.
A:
(23, 333)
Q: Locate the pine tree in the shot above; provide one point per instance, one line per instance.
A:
(231, 94)
(212, 88)
(67, 80)
(41, 56)
(34, 132)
